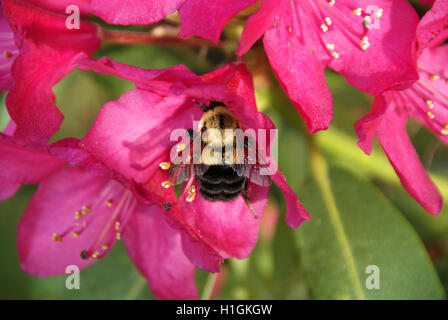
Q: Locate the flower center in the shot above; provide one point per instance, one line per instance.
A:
(429, 98)
(336, 18)
(115, 202)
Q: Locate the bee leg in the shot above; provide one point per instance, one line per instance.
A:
(202, 106)
(249, 204)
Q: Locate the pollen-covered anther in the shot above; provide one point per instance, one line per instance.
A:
(191, 194)
(430, 115)
(357, 12)
(331, 3)
(95, 255)
(378, 13)
(117, 225)
(78, 214)
(335, 55)
(55, 237)
(445, 129)
(328, 21)
(166, 184)
(105, 247)
(164, 165)
(75, 234)
(109, 203)
(434, 77)
(181, 147)
(324, 28)
(364, 44)
(329, 46)
(430, 104)
(7, 54)
(85, 210)
(118, 235)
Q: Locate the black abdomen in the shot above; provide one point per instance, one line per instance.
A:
(221, 183)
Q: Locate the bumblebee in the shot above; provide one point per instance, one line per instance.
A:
(221, 174)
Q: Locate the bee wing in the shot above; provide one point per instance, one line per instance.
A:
(200, 169)
(252, 169)
(182, 172)
(239, 169)
(179, 173)
(258, 174)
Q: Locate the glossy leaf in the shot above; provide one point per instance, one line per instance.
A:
(353, 226)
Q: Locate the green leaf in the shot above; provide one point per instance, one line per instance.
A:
(354, 226)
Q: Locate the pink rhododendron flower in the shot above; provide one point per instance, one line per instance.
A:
(80, 210)
(370, 43)
(47, 51)
(426, 100)
(132, 136)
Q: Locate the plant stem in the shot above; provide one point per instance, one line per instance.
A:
(159, 36)
(209, 285)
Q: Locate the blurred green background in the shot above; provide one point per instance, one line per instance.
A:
(361, 215)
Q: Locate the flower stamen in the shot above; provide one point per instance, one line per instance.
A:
(165, 165)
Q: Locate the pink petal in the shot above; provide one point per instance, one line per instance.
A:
(366, 127)
(60, 6)
(389, 61)
(258, 24)
(9, 50)
(133, 11)
(20, 165)
(8, 189)
(156, 250)
(433, 27)
(394, 140)
(154, 80)
(207, 18)
(52, 211)
(301, 75)
(237, 79)
(199, 253)
(295, 212)
(10, 128)
(48, 52)
(229, 227)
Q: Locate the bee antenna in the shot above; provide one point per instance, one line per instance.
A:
(202, 106)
